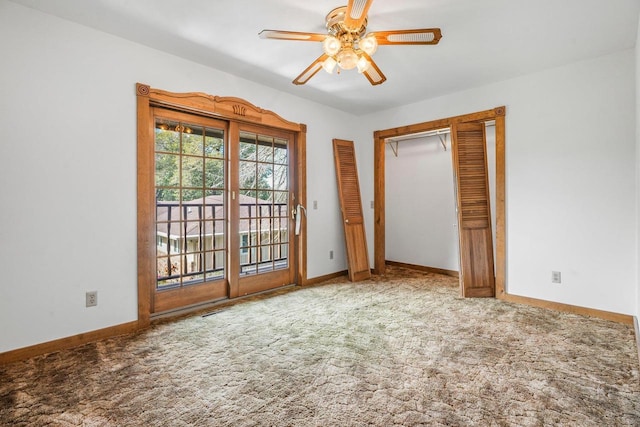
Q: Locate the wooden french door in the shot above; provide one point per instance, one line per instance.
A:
(262, 206)
(477, 278)
(223, 209)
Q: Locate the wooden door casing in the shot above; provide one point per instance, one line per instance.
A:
(498, 115)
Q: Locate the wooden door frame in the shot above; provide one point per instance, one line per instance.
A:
(226, 108)
(379, 137)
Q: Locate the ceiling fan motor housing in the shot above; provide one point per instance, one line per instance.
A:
(336, 27)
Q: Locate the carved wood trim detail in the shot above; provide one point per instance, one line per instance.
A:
(239, 110)
(142, 89)
(217, 106)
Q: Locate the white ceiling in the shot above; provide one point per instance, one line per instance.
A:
(483, 41)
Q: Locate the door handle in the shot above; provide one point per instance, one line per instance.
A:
(297, 215)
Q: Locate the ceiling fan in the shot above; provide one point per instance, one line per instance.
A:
(347, 45)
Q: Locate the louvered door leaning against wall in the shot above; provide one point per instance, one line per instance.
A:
(351, 206)
(474, 214)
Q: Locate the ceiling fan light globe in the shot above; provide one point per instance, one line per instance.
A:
(347, 59)
(331, 45)
(363, 64)
(329, 65)
(369, 44)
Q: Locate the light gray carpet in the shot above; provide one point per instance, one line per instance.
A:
(400, 350)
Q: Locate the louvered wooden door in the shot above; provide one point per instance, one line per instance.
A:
(474, 214)
(351, 206)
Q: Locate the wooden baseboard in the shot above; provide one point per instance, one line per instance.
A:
(636, 328)
(320, 279)
(68, 342)
(567, 308)
(423, 268)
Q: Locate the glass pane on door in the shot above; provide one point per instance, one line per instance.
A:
(264, 203)
(191, 214)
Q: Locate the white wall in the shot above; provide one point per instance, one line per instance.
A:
(68, 171)
(637, 82)
(420, 213)
(570, 155)
(420, 218)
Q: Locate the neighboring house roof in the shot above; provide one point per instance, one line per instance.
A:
(255, 214)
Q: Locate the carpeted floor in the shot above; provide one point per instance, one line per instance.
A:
(400, 350)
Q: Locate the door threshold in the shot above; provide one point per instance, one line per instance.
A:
(210, 305)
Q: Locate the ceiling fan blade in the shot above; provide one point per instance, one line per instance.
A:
(419, 36)
(311, 70)
(373, 73)
(291, 35)
(356, 14)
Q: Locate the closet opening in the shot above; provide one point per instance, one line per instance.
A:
(417, 222)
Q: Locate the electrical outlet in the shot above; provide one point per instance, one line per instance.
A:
(315, 204)
(372, 205)
(330, 254)
(92, 298)
(556, 277)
